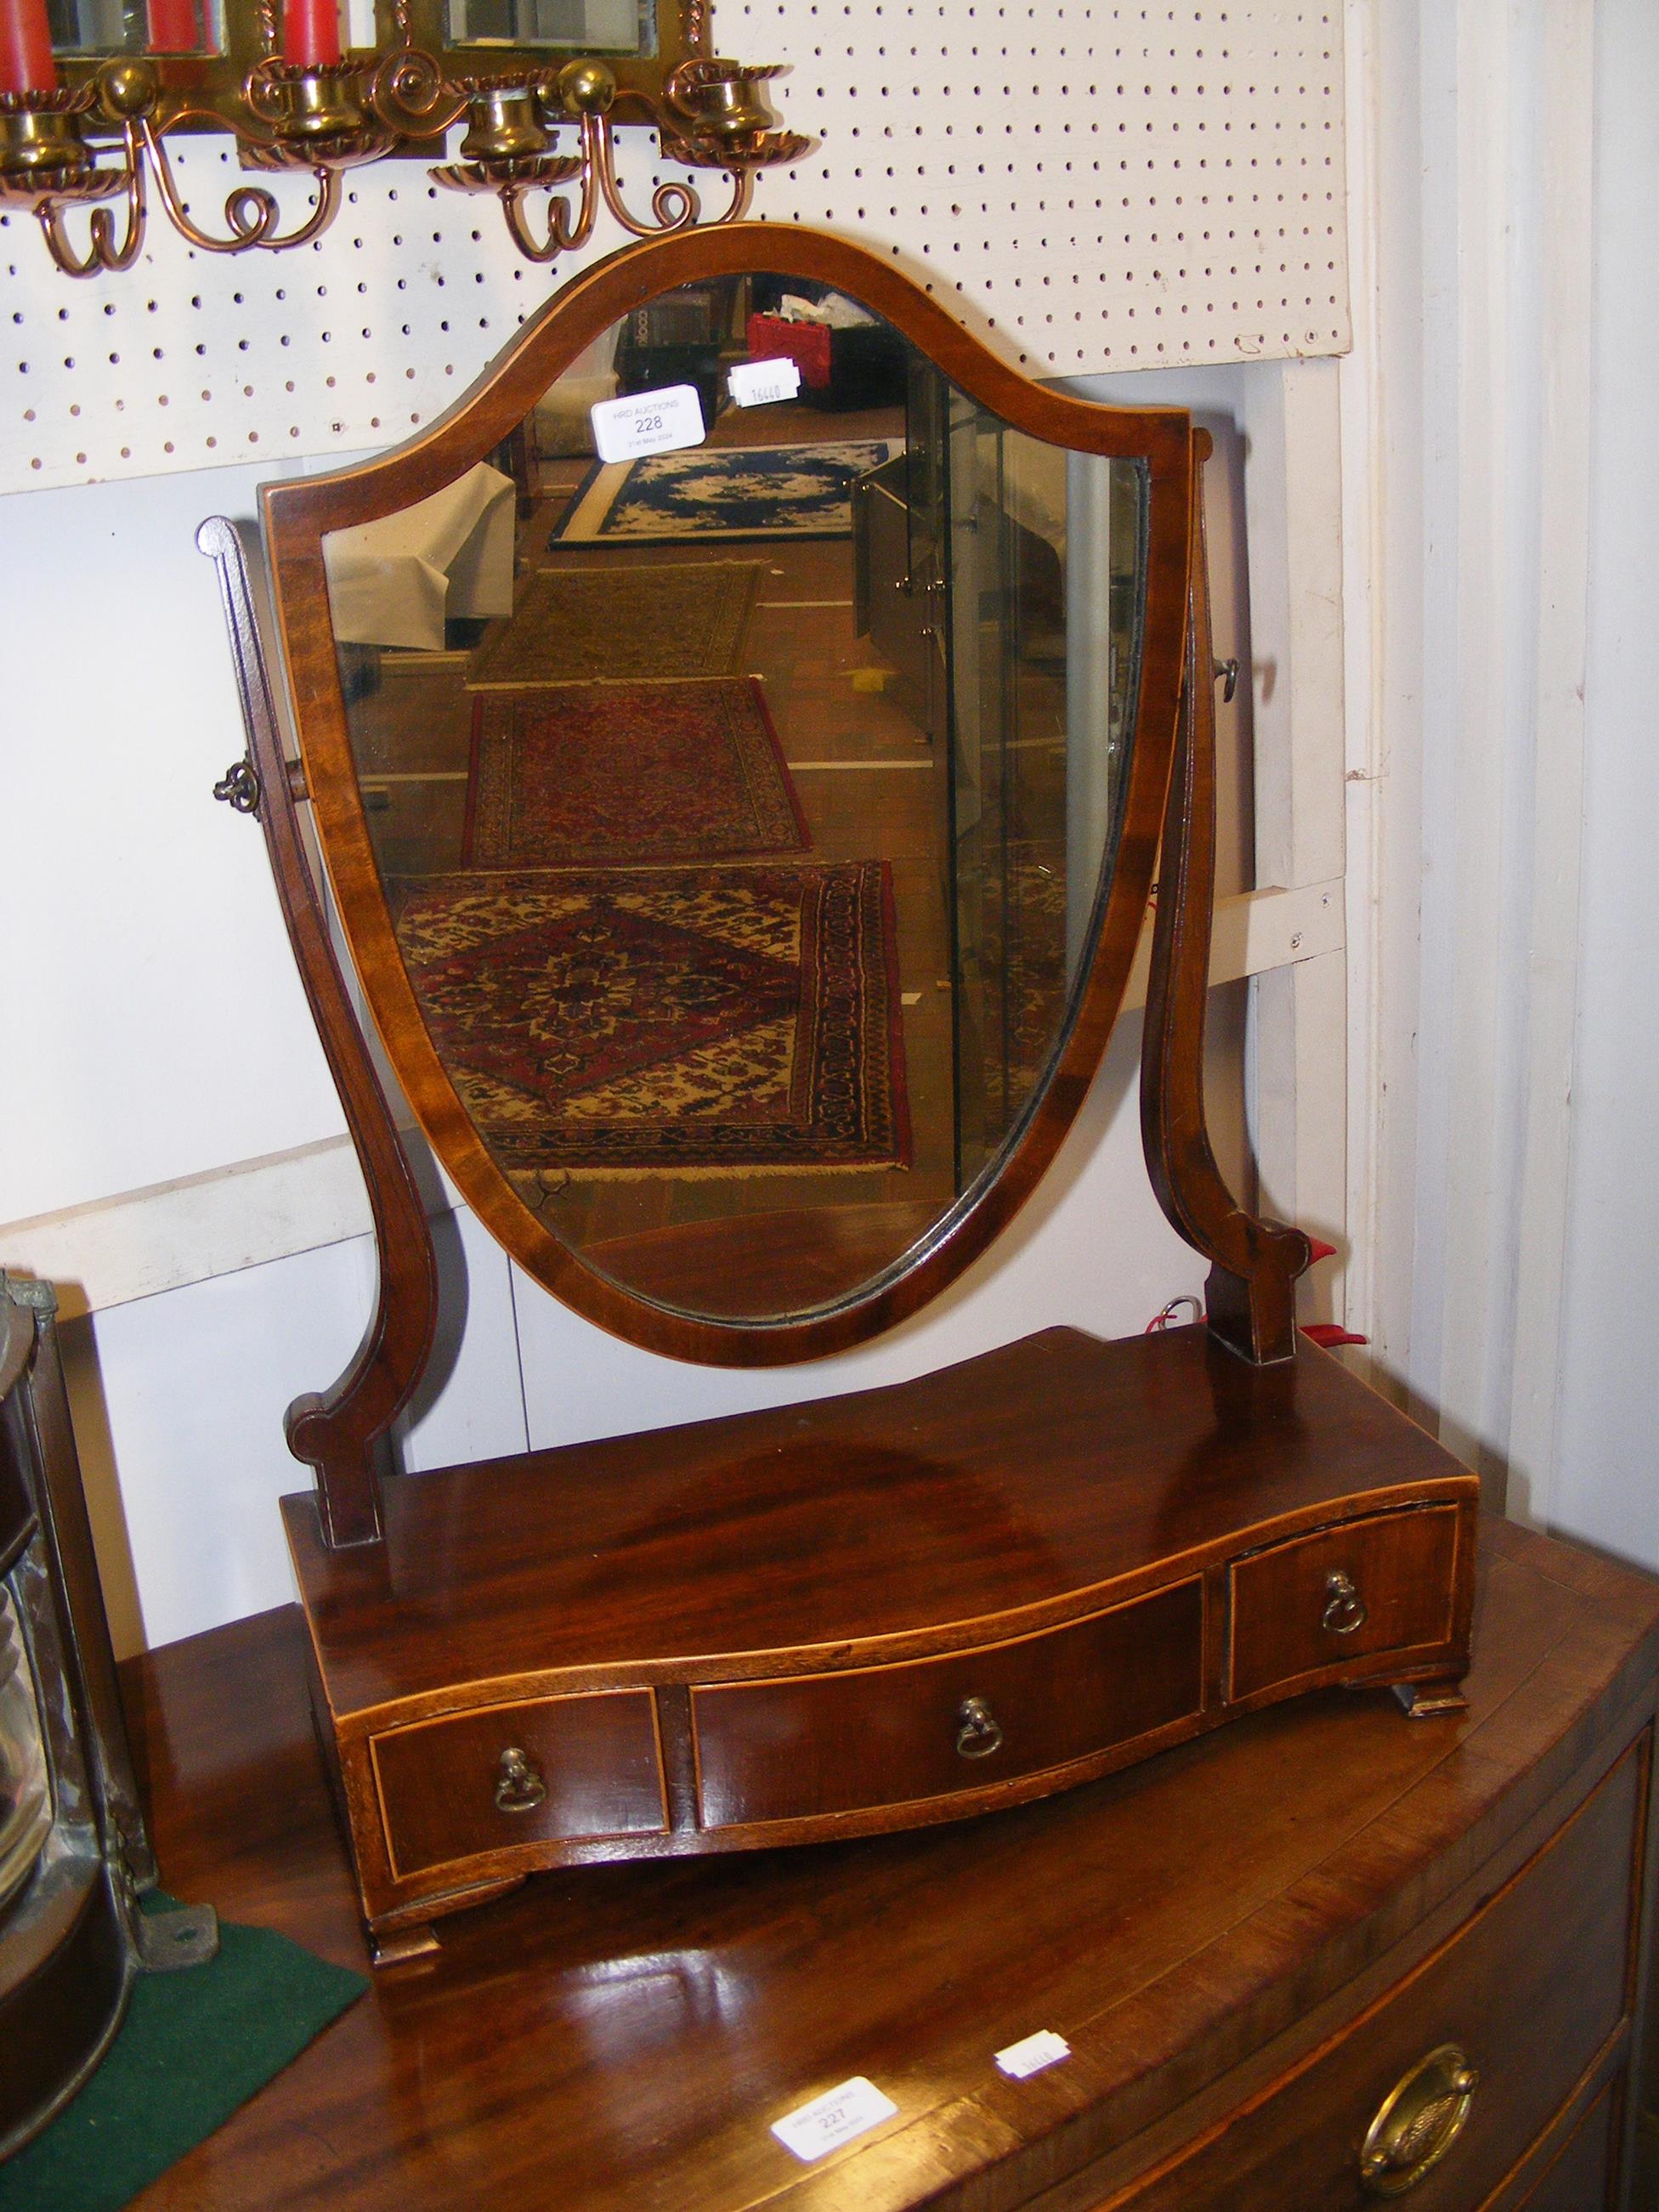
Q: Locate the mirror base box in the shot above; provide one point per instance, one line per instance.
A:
(866, 1613)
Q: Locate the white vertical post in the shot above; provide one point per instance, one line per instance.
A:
(1295, 535)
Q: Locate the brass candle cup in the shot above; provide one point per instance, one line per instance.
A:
(40, 141)
(730, 108)
(504, 124)
(313, 108)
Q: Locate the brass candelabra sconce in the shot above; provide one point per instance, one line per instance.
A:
(716, 119)
(299, 104)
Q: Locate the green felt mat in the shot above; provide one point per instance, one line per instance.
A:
(193, 2047)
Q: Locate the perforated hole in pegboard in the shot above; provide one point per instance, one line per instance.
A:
(1093, 187)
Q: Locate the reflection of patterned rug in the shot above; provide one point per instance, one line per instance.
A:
(1024, 968)
(754, 491)
(1036, 960)
(706, 1020)
(578, 625)
(578, 774)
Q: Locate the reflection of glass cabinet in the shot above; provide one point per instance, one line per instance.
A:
(900, 521)
(996, 574)
(1008, 768)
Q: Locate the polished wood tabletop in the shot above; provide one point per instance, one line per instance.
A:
(1049, 1466)
(625, 2036)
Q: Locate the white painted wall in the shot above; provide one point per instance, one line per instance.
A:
(156, 1024)
(1607, 1471)
(1501, 569)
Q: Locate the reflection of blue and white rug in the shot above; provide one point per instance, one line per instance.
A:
(751, 491)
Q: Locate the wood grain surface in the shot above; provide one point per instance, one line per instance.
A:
(1013, 1481)
(1110, 1546)
(873, 1735)
(1196, 1929)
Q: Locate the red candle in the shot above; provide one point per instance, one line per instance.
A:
(173, 27)
(311, 33)
(26, 62)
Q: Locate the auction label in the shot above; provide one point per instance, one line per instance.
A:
(834, 2118)
(764, 383)
(648, 423)
(1032, 2053)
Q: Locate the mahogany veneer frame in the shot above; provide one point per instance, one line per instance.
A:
(1117, 1546)
(298, 516)
(1254, 1263)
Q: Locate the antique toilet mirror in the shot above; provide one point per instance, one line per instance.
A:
(742, 847)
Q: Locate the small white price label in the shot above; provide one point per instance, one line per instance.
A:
(648, 423)
(1032, 2053)
(811, 2130)
(764, 383)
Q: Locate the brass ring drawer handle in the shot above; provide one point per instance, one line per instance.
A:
(979, 1732)
(1345, 1610)
(520, 1787)
(1418, 2122)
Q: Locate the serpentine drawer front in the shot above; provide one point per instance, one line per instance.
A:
(1439, 2090)
(817, 1744)
(552, 1769)
(1382, 1585)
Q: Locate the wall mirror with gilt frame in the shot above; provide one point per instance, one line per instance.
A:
(201, 52)
(740, 737)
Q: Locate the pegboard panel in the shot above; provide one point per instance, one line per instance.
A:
(1105, 187)
(1092, 186)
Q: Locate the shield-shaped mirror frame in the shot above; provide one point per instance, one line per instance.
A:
(297, 518)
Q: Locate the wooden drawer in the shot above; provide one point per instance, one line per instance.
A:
(591, 1768)
(819, 1744)
(1291, 1616)
(1530, 1989)
(1579, 2176)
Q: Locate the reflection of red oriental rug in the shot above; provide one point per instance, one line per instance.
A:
(577, 775)
(584, 625)
(707, 1019)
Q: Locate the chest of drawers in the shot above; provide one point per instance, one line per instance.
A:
(894, 1609)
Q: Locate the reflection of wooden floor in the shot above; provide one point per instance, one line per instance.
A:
(868, 786)
(744, 1264)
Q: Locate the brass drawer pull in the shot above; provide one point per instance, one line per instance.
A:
(1345, 1610)
(520, 1787)
(1419, 2120)
(979, 1732)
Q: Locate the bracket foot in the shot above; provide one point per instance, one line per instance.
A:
(1423, 1701)
(395, 1947)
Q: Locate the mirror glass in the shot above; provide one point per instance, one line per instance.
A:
(136, 27)
(742, 808)
(577, 26)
